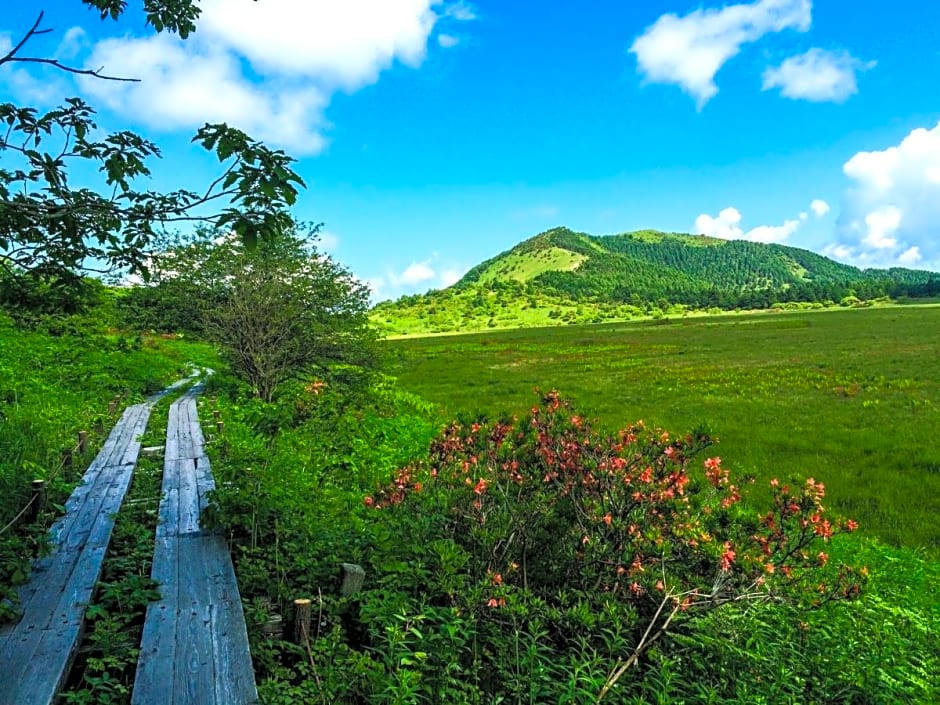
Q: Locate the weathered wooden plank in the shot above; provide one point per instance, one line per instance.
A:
(235, 681)
(36, 652)
(187, 404)
(83, 504)
(168, 513)
(195, 666)
(41, 677)
(188, 497)
(155, 666)
(204, 653)
(90, 528)
(205, 483)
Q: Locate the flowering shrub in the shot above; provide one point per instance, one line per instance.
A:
(549, 512)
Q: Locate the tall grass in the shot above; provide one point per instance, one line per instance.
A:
(850, 397)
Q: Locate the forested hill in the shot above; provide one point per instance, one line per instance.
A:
(577, 277)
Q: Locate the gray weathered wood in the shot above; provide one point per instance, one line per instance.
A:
(36, 652)
(194, 649)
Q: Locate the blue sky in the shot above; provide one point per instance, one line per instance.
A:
(433, 135)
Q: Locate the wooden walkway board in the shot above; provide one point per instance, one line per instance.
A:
(37, 651)
(194, 649)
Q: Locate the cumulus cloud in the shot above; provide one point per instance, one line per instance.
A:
(727, 225)
(819, 207)
(448, 40)
(891, 210)
(689, 50)
(183, 86)
(414, 273)
(772, 233)
(818, 76)
(268, 68)
(419, 275)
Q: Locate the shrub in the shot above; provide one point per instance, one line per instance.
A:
(564, 554)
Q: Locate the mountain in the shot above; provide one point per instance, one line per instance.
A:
(562, 276)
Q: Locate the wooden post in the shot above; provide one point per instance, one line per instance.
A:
(302, 616)
(112, 407)
(220, 426)
(66, 457)
(215, 414)
(38, 499)
(82, 442)
(353, 577)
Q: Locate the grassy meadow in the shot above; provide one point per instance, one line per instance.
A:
(849, 397)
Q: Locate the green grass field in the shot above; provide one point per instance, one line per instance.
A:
(849, 397)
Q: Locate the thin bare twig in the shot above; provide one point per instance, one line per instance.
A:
(11, 57)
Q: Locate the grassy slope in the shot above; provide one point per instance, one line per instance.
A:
(563, 277)
(52, 386)
(523, 267)
(851, 397)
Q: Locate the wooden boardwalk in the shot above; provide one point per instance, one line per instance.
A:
(194, 649)
(37, 651)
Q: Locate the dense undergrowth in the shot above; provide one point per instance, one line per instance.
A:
(58, 377)
(446, 616)
(485, 581)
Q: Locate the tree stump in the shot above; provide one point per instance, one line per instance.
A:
(302, 615)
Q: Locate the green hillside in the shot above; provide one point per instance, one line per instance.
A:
(562, 276)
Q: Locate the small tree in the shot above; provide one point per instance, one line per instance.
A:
(280, 310)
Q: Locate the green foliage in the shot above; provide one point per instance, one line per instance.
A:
(875, 650)
(787, 394)
(585, 279)
(423, 629)
(56, 380)
(54, 231)
(279, 311)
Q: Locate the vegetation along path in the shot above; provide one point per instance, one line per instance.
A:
(194, 648)
(36, 651)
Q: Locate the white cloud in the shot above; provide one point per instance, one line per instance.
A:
(690, 50)
(447, 40)
(269, 68)
(910, 256)
(415, 273)
(461, 11)
(184, 85)
(882, 224)
(819, 207)
(891, 211)
(817, 75)
(451, 276)
(727, 225)
(419, 275)
(773, 233)
(341, 43)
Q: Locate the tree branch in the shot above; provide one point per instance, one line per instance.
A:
(11, 57)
